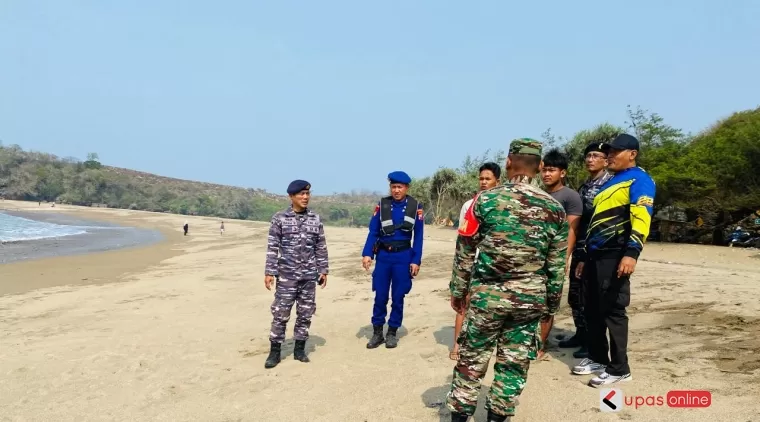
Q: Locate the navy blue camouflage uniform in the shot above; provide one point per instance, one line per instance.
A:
(296, 256)
(587, 192)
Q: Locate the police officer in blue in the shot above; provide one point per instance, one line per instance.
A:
(397, 217)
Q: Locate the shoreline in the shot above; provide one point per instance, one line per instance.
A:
(100, 236)
(119, 245)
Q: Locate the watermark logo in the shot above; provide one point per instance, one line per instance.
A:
(613, 400)
(610, 400)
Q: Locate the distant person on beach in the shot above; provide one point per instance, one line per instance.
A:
(186, 227)
(515, 285)
(396, 220)
(221, 229)
(297, 261)
(489, 176)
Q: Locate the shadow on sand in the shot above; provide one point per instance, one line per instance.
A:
(366, 332)
(435, 398)
(563, 355)
(311, 346)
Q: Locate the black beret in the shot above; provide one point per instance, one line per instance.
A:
(596, 147)
(297, 186)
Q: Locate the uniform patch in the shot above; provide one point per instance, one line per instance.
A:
(420, 214)
(470, 225)
(377, 208)
(646, 201)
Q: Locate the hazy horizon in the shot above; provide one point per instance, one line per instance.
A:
(342, 93)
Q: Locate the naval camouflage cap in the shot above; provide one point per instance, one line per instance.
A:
(525, 146)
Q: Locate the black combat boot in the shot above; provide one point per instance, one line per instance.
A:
(459, 417)
(582, 352)
(391, 339)
(299, 353)
(274, 356)
(377, 337)
(573, 341)
(493, 417)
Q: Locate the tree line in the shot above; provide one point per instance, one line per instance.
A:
(707, 181)
(36, 176)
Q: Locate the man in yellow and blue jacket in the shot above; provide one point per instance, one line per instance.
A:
(623, 211)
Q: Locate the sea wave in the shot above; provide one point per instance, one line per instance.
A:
(19, 229)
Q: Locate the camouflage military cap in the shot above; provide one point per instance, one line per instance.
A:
(525, 146)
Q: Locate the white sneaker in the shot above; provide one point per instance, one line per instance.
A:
(588, 366)
(605, 379)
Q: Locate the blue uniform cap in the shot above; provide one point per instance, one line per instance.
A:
(399, 177)
(297, 186)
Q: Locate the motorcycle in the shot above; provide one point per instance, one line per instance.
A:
(743, 239)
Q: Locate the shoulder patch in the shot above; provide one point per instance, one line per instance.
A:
(470, 225)
(420, 215)
(377, 208)
(646, 201)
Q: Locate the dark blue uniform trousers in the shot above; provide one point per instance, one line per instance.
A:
(391, 279)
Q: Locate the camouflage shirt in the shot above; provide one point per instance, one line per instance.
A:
(296, 249)
(588, 192)
(521, 236)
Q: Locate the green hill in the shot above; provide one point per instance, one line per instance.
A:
(35, 176)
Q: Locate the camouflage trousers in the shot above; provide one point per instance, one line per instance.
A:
(288, 292)
(492, 321)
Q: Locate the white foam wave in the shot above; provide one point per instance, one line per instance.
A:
(18, 229)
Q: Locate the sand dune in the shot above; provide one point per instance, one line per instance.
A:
(178, 332)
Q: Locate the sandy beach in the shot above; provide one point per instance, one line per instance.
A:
(178, 331)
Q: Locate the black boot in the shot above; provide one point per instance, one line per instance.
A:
(274, 356)
(493, 417)
(377, 337)
(299, 353)
(571, 342)
(581, 353)
(459, 417)
(391, 340)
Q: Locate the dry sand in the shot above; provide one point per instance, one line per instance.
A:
(178, 332)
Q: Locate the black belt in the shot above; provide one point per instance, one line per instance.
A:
(394, 246)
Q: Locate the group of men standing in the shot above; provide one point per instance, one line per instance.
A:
(516, 244)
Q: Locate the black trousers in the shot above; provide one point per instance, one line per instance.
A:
(575, 298)
(606, 297)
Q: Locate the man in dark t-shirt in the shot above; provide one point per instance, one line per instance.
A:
(553, 175)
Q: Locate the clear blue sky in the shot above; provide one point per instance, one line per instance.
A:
(341, 93)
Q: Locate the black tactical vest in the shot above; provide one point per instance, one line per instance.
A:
(386, 217)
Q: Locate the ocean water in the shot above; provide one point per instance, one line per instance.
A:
(17, 229)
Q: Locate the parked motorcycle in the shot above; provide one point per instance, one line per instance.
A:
(743, 239)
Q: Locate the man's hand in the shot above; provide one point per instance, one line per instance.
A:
(626, 267)
(579, 270)
(546, 326)
(366, 262)
(268, 280)
(414, 269)
(323, 280)
(458, 304)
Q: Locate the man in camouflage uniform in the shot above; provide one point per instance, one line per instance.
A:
(515, 283)
(297, 260)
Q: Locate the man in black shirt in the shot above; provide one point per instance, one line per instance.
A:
(596, 164)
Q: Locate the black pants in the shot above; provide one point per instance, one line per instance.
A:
(575, 298)
(606, 298)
